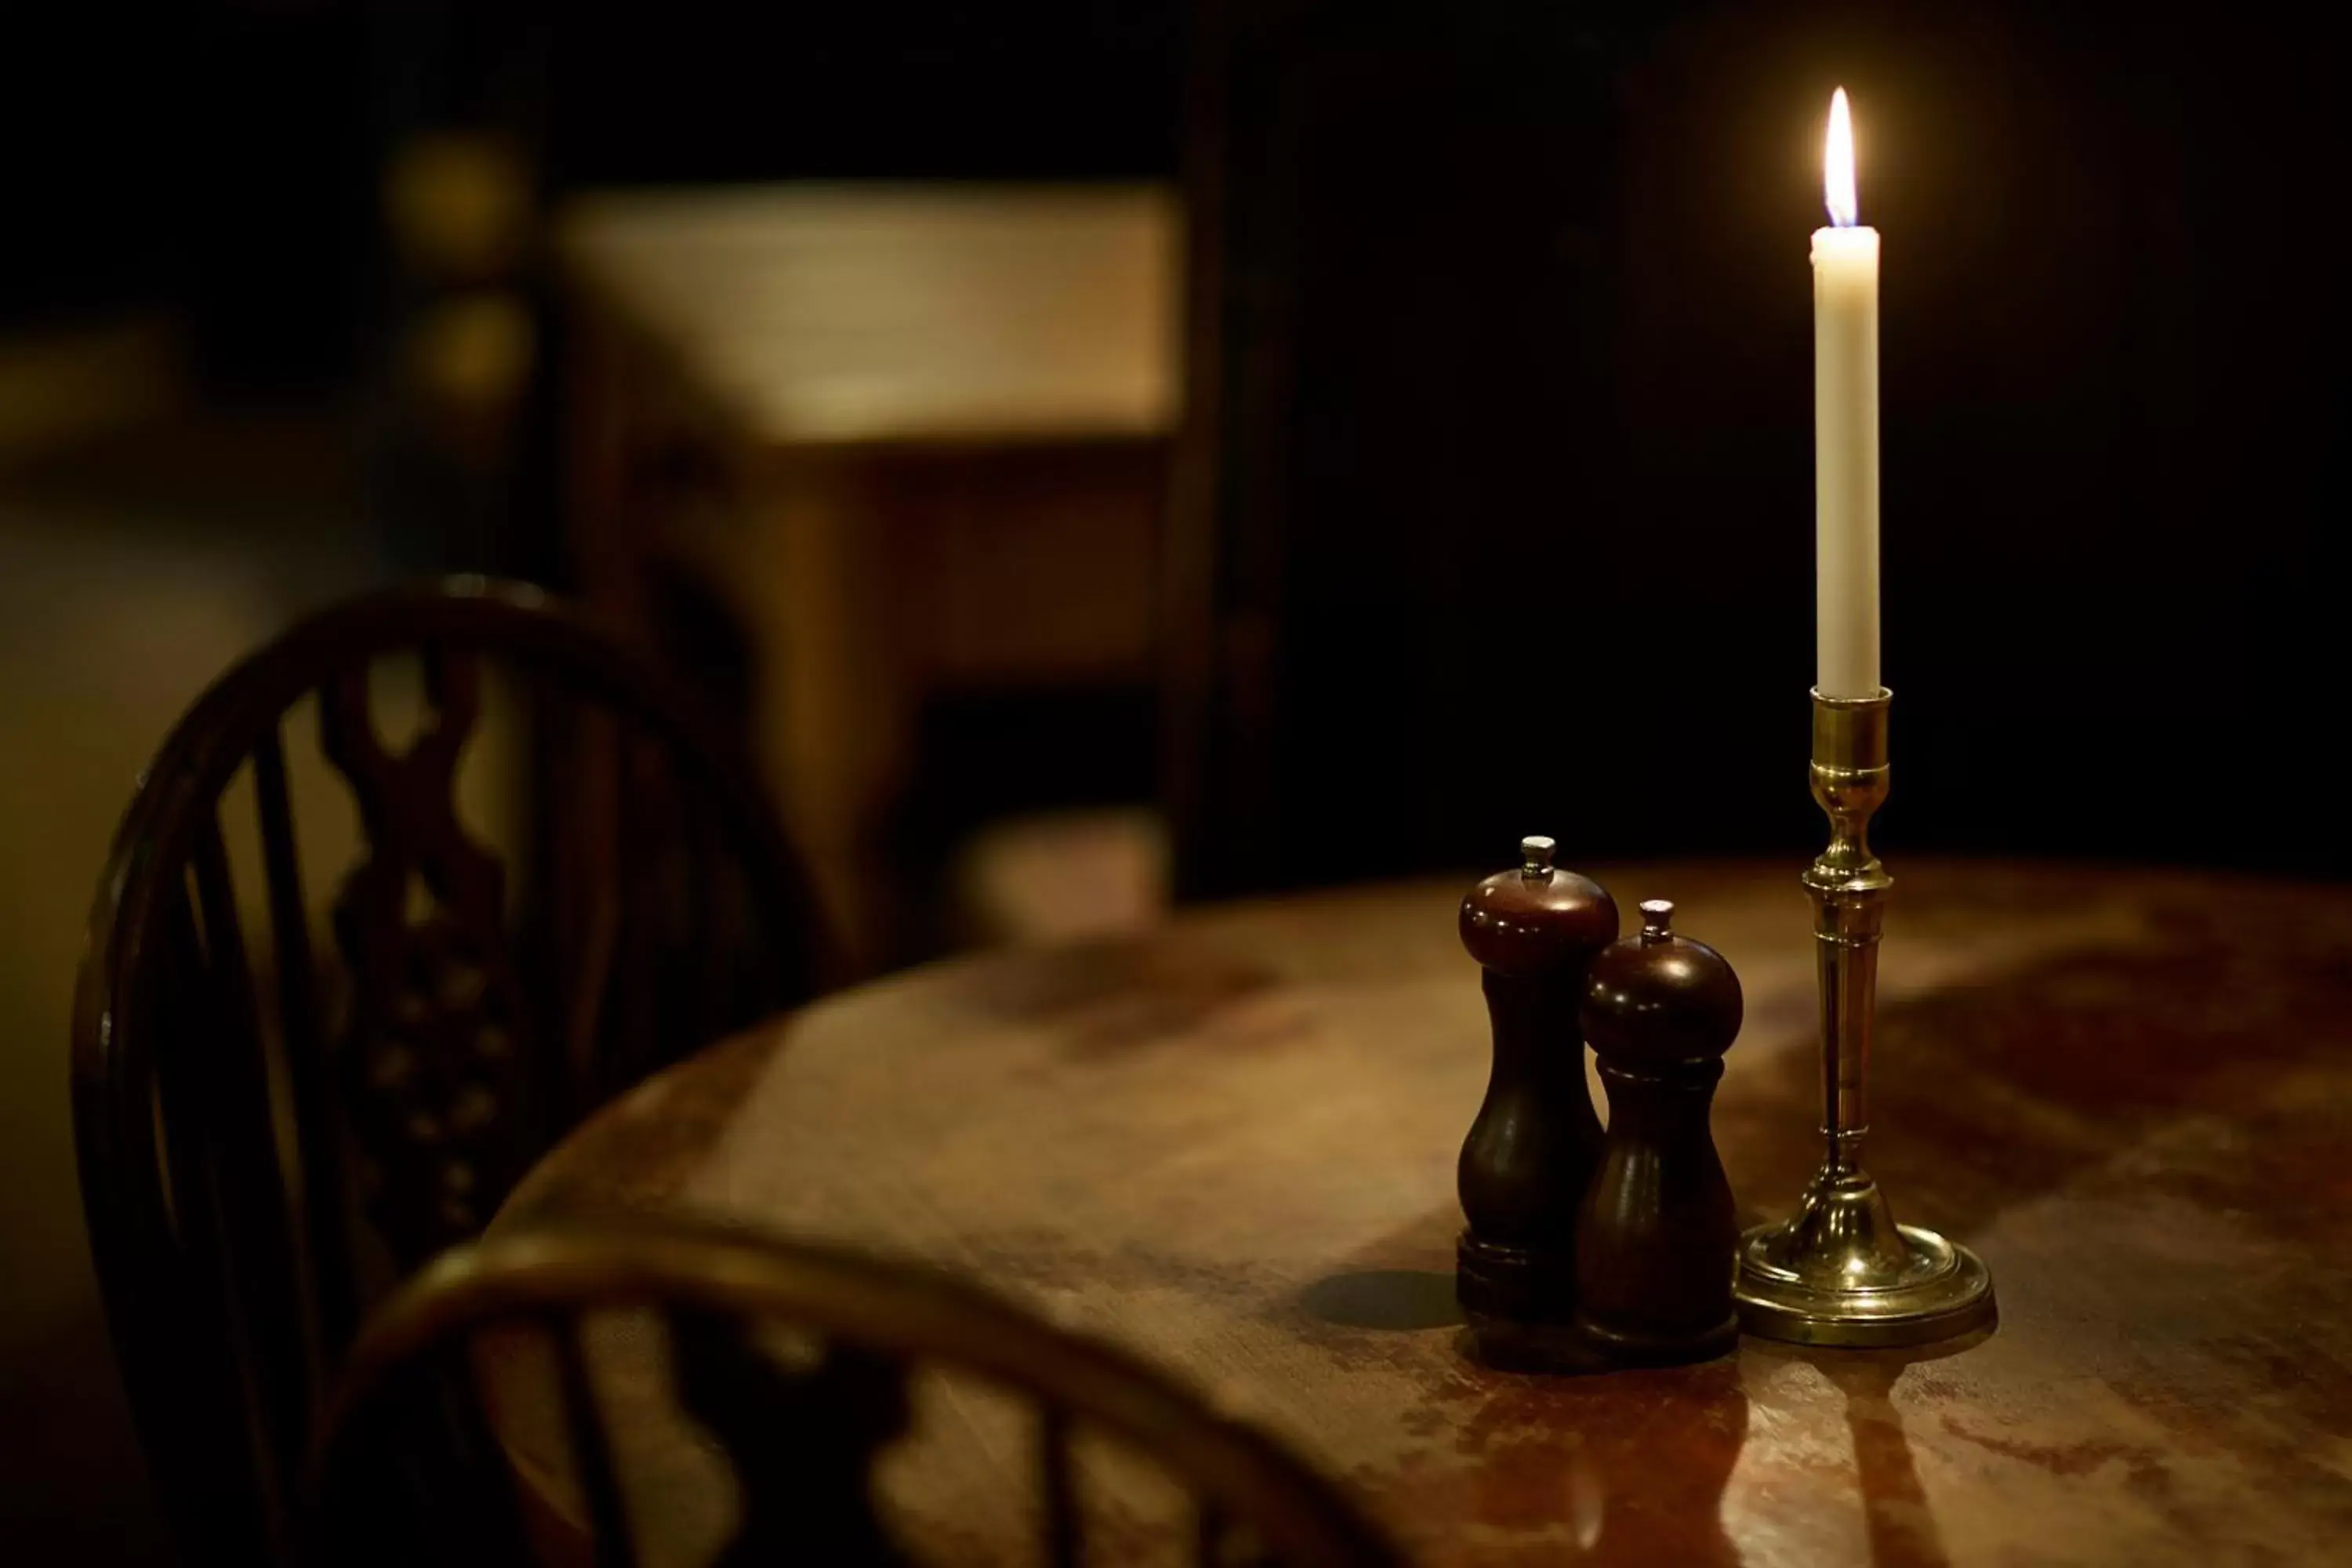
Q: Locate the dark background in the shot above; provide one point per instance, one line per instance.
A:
(1509, 351)
(1493, 514)
(223, 155)
(1517, 462)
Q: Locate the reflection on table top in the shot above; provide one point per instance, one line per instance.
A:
(1232, 1146)
(841, 314)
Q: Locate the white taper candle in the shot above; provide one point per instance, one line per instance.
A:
(1845, 429)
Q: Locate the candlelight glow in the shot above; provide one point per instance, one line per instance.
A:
(1837, 165)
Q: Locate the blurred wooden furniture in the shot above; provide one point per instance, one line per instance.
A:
(1232, 1146)
(808, 1428)
(911, 438)
(269, 1132)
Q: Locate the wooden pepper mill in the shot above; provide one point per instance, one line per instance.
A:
(1657, 1237)
(1533, 1147)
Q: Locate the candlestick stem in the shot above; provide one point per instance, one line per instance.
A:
(1840, 1271)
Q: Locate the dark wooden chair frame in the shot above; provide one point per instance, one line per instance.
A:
(229, 1283)
(717, 1287)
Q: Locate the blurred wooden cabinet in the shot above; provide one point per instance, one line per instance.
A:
(912, 439)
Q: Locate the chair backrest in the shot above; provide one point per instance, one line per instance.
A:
(282, 1109)
(420, 1463)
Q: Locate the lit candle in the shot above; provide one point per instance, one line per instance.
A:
(1846, 428)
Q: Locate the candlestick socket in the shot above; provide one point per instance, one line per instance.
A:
(1850, 732)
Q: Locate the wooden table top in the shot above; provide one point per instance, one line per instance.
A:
(1231, 1146)
(827, 315)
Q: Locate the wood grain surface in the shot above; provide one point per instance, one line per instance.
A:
(1232, 1147)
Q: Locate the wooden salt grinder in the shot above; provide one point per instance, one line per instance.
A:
(1657, 1237)
(1534, 1144)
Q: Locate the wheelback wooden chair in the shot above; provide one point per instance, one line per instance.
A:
(431, 1454)
(279, 1117)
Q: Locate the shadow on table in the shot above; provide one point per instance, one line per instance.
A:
(1899, 1523)
(1629, 1466)
(1394, 1298)
(1645, 1455)
(1645, 1458)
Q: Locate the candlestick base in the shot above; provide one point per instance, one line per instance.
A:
(1841, 1272)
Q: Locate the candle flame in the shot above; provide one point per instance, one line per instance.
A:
(1837, 165)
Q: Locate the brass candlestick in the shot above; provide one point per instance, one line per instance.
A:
(1840, 1271)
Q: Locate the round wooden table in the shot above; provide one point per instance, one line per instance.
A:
(1230, 1145)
